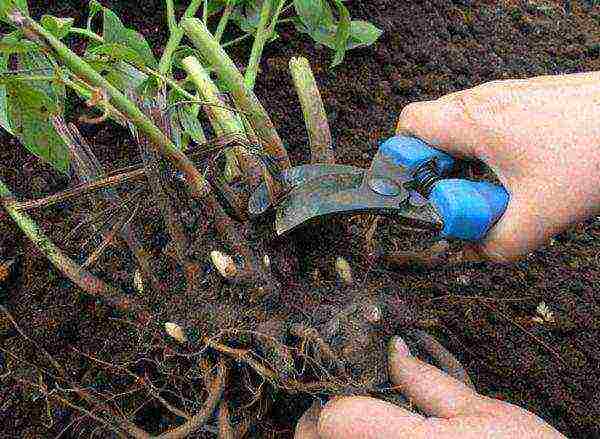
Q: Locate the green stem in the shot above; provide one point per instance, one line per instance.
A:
(314, 111)
(224, 20)
(171, 20)
(235, 40)
(86, 33)
(175, 38)
(28, 78)
(260, 39)
(171, 82)
(221, 118)
(224, 122)
(244, 98)
(205, 13)
(83, 279)
(197, 183)
(276, 19)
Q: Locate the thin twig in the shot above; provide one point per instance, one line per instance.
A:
(101, 218)
(138, 433)
(90, 169)
(82, 278)
(109, 237)
(116, 177)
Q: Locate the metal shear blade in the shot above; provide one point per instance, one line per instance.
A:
(344, 193)
(259, 201)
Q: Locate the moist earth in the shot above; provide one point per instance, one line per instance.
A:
(484, 311)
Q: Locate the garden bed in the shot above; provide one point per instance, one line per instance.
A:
(483, 313)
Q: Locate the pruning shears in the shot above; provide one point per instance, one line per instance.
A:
(407, 179)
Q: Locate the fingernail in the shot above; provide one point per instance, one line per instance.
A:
(399, 348)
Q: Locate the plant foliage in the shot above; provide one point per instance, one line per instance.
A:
(33, 84)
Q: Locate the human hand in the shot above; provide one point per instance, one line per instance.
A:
(456, 410)
(541, 136)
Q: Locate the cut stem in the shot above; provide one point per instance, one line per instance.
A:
(244, 98)
(223, 121)
(319, 135)
(260, 39)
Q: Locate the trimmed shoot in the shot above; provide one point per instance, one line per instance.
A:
(319, 135)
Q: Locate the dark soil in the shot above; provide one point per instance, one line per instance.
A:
(429, 48)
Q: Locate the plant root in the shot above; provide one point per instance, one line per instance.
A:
(225, 429)
(215, 391)
(324, 354)
(90, 170)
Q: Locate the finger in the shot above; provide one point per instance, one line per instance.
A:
(444, 124)
(306, 428)
(430, 389)
(366, 418)
(363, 417)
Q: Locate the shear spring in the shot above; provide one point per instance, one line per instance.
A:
(425, 176)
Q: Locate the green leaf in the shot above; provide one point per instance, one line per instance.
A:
(38, 63)
(30, 107)
(315, 15)
(126, 77)
(120, 74)
(362, 33)
(30, 110)
(4, 122)
(15, 42)
(342, 34)
(114, 52)
(247, 15)
(8, 6)
(115, 32)
(59, 27)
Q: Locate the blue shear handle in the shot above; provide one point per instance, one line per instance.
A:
(469, 208)
(410, 152)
